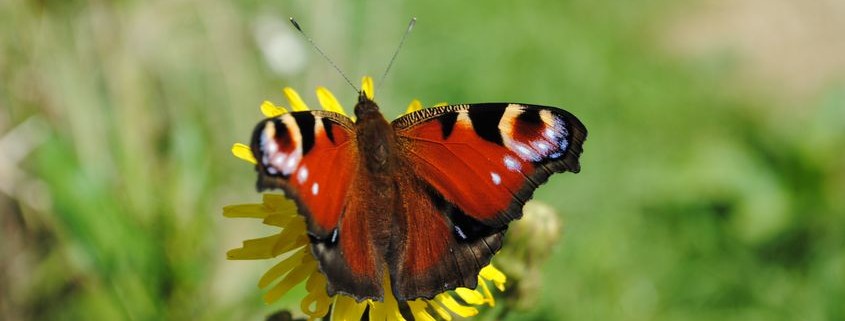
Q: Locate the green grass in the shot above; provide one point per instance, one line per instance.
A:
(698, 200)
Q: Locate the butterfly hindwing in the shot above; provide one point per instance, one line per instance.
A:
(443, 247)
(312, 156)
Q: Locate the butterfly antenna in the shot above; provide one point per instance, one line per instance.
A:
(296, 25)
(396, 53)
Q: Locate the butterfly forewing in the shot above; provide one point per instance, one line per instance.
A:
(311, 156)
(487, 159)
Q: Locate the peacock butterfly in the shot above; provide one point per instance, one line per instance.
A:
(426, 198)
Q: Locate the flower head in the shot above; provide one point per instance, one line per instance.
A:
(297, 264)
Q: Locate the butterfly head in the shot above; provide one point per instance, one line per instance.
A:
(365, 106)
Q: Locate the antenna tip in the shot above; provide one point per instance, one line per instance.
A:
(295, 24)
(412, 23)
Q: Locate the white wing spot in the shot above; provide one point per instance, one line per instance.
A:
(541, 145)
(511, 163)
(302, 174)
(279, 160)
(460, 232)
(290, 165)
(526, 152)
(550, 133)
(523, 150)
(315, 188)
(496, 178)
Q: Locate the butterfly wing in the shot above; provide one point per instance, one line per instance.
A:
(478, 165)
(501, 152)
(312, 156)
(443, 248)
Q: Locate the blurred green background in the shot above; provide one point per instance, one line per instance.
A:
(712, 185)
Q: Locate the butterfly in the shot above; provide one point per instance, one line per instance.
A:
(425, 199)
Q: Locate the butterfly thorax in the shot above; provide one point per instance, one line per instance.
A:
(376, 139)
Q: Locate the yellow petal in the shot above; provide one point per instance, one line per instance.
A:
(328, 101)
(449, 302)
(488, 297)
(389, 309)
(441, 104)
(470, 296)
(246, 210)
(289, 236)
(413, 106)
(367, 87)
(382, 311)
(291, 279)
(316, 286)
(295, 227)
(346, 309)
(278, 203)
(419, 312)
(378, 311)
(339, 307)
(243, 152)
(254, 249)
(271, 110)
(282, 268)
(491, 273)
(443, 313)
(274, 205)
(282, 248)
(320, 303)
(317, 283)
(278, 220)
(296, 102)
